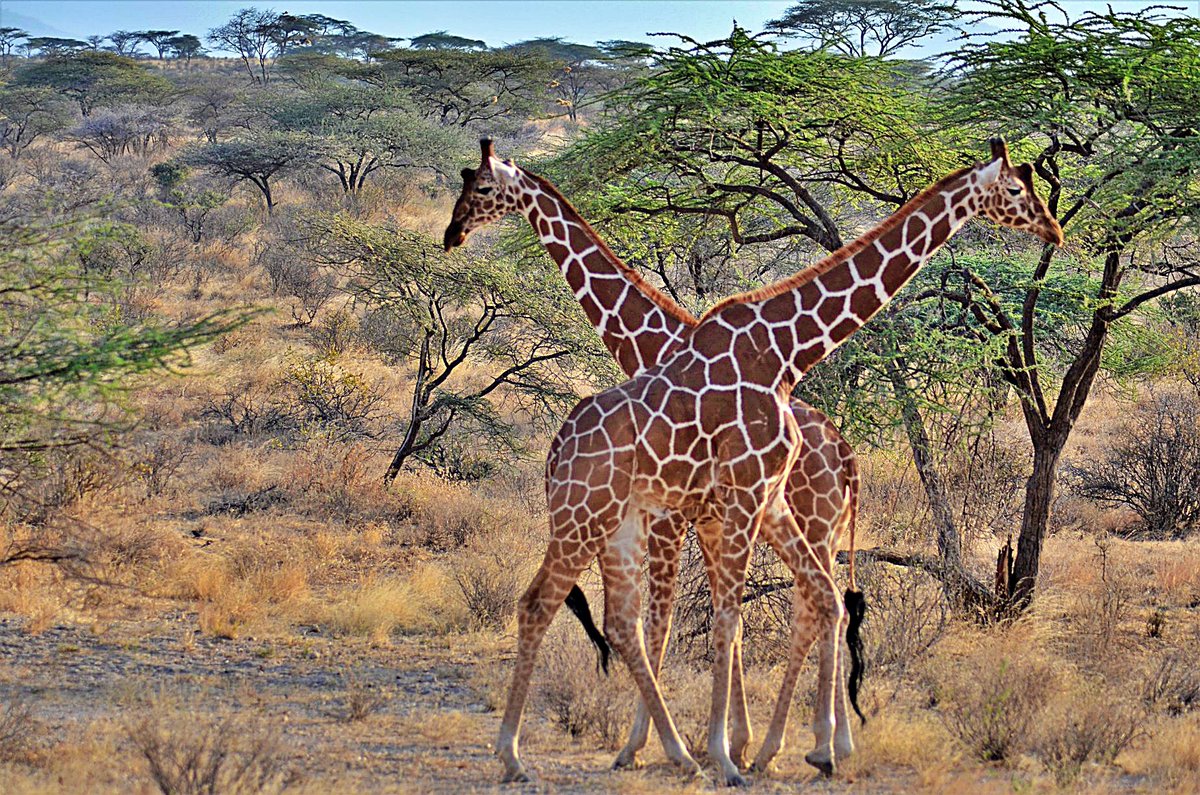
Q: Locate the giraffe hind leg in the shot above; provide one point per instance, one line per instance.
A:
(535, 610)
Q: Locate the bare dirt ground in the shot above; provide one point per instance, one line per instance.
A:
(430, 732)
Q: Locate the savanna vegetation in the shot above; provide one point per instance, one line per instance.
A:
(270, 460)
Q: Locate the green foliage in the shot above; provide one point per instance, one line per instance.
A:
(255, 160)
(28, 113)
(492, 91)
(53, 45)
(777, 144)
(353, 130)
(493, 342)
(94, 78)
(1110, 100)
(441, 40)
(68, 355)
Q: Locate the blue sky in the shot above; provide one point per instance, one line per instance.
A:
(494, 21)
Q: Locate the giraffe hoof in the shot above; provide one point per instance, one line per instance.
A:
(626, 762)
(518, 776)
(760, 767)
(735, 780)
(821, 763)
(691, 768)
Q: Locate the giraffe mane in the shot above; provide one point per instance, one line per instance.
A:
(656, 296)
(842, 254)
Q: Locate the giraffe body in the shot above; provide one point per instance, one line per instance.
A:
(639, 325)
(708, 433)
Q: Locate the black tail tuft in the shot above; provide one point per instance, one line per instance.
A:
(578, 605)
(856, 609)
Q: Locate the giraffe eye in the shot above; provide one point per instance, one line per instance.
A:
(484, 191)
(1015, 191)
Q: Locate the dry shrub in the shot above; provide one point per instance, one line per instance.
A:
(1171, 758)
(991, 696)
(134, 548)
(907, 614)
(241, 588)
(489, 586)
(18, 729)
(185, 754)
(35, 592)
(917, 741)
(1173, 682)
(577, 697)
(342, 482)
(157, 463)
(1088, 722)
(360, 700)
(1105, 605)
(449, 516)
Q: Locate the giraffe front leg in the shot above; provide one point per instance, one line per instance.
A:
(741, 733)
(666, 543)
(709, 536)
(621, 565)
(743, 513)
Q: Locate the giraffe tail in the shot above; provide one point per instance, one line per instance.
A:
(578, 604)
(856, 606)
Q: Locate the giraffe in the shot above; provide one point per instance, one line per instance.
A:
(708, 432)
(639, 324)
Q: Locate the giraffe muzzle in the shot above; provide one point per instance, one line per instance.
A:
(455, 236)
(1051, 233)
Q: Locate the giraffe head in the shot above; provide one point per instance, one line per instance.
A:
(489, 193)
(1009, 198)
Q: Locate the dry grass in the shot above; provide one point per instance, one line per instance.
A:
(421, 602)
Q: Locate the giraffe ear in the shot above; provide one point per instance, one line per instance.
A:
(468, 174)
(989, 173)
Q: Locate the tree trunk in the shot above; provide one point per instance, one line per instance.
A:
(414, 422)
(1039, 493)
(957, 584)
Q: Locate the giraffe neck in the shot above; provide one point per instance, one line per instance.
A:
(636, 321)
(810, 314)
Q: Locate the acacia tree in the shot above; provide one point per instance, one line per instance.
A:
(496, 90)
(257, 160)
(356, 130)
(1109, 107)
(580, 70)
(28, 113)
(8, 42)
(160, 40)
(52, 46)
(860, 28)
(94, 78)
(185, 47)
(441, 40)
(1106, 107)
(125, 42)
(254, 35)
(509, 324)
